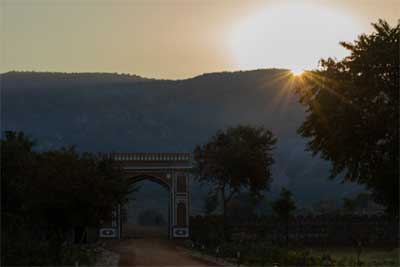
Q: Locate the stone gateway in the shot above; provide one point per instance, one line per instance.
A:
(170, 170)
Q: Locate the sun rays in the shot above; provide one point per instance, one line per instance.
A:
(297, 72)
(290, 35)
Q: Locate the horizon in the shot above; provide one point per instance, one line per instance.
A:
(181, 40)
(146, 77)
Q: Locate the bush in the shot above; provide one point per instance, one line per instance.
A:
(84, 255)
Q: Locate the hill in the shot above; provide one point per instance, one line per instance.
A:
(103, 112)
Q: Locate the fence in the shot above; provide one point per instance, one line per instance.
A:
(314, 230)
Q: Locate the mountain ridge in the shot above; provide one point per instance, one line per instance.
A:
(132, 75)
(120, 114)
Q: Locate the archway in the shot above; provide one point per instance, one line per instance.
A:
(147, 212)
(167, 169)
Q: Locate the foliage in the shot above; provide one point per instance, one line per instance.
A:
(17, 161)
(242, 207)
(353, 111)
(361, 201)
(266, 250)
(349, 205)
(75, 190)
(207, 231)
(235, 159)
(211, 203)
(284, 206)
(46, 195)
(265, 254)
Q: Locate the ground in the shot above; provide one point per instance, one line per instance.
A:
(370, 256)
(154, 251)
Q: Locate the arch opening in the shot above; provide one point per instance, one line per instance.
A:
(149, 177)
(148, 210)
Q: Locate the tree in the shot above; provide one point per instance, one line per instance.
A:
(47, 194)
(17, 161)
(349, 206)
(284, 207)
(210, 203)
(326, 207)
(242, 207)
(235, 159)
(353, 113)
(71, 190)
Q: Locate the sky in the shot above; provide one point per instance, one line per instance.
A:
(180, 39)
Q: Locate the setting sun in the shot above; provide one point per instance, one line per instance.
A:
(292, 36)
(297, 72)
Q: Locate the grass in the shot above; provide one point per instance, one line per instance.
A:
(331, 256)
(369, 256)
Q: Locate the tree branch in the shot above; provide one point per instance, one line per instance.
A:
(230, 196)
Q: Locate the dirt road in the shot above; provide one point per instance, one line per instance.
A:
(154, 252)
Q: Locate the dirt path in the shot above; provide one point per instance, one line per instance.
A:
(154, 252)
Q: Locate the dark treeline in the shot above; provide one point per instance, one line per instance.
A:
(304, 231)
(88, 77)
(49, 199)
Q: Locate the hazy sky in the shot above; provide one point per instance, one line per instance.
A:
(179, 39)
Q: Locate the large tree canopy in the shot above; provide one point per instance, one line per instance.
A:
(353, 113)
(46, 194)
(235, 159)
(58, 187)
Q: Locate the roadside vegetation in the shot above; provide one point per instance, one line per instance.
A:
(51, 199)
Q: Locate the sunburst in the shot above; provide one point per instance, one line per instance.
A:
(297, 72)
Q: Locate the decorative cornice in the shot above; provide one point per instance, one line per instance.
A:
(184, 157)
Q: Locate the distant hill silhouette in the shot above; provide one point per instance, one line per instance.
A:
(103, 112)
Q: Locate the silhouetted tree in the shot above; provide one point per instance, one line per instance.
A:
(235, 159)
(353, 113)
(211, 203)
(74, 190)
(242, 207)
(47, 194)
(17, 163)
(349, 206)
(284, 207)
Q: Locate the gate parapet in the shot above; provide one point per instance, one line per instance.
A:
(154, 161)
(159, 157)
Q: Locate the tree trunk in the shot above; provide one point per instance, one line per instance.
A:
(225, 200)
(224, 215)
(287, 232)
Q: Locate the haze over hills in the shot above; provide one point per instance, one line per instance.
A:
(102, 112)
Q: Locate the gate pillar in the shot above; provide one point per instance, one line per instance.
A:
(180, 204)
